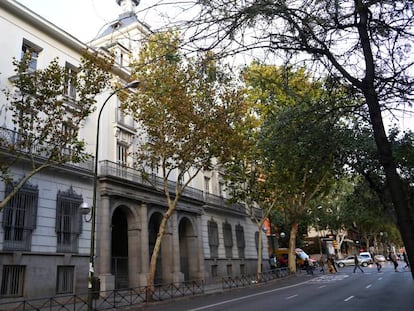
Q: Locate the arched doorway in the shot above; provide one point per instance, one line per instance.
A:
(153, 228)
(188, 250)
(119, 263)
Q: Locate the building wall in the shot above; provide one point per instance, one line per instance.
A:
(136, 201)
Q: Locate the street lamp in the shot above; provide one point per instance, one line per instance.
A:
(92, 279)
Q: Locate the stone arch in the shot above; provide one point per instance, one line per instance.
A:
(153, 228)
(124, 244)
(189, 262)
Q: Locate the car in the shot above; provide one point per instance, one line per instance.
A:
(368, 256)
(380, 258)
(350, 261)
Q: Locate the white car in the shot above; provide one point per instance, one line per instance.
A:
(380, 258)
(367, 256)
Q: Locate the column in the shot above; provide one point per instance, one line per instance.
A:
(103, 244)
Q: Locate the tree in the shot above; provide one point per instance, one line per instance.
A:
(47, 123)
(188, 110)
(365, 43)
(295, 166)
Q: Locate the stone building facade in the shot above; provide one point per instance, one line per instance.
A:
(206, 237)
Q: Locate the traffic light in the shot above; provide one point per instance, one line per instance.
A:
(335, 244)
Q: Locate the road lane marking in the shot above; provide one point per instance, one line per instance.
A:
(247, 297)
(293, 296)
(322, 286)
(349, 298)
(368, 286)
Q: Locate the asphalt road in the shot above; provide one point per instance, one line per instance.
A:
(343, 291)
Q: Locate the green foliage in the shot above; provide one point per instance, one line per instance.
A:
(47, 121)
(189, 109)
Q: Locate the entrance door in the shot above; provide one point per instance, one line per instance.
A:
(119, 266)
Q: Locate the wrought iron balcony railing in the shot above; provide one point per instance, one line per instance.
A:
(14, 143)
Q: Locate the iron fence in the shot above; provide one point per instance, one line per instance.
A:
(249, 280)
(107, 300)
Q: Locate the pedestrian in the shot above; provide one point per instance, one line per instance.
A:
(407, 263)
(322, 264)
(272, 262)
(332, 260)
(393, 259)
(356, 261)
(308, 266)
(377, 263)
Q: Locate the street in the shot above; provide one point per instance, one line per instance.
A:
(387, 290)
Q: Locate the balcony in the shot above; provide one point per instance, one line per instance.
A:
(13, 143)
(112, 169)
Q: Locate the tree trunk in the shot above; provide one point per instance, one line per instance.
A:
(259, 253)
(154, 256)
(393, 180)
(403, 211)
(292, 247)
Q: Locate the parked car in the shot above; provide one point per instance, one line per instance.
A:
(380, 258)
(368, 256)
(350, 261)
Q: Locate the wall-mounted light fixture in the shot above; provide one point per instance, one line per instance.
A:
(85, 210)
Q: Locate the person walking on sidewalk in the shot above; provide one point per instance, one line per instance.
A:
(393, 259)
(407, 263)
(356, 261)
(377, 263)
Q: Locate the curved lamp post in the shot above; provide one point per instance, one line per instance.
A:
(84, 207)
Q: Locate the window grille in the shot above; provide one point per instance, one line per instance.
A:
(213, 238)
(65, 279)
(228, 240)
(19, 218)
(241, 243)
(12, 281)
(68, 221)
(122, 154)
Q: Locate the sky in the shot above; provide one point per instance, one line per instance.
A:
(81, 18)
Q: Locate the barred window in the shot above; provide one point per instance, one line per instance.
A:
(228, 240)
(241, 244)
(12, 281)
(122, 154)
(19, 218)
(65, 279)
(213, 238)
(68, 221)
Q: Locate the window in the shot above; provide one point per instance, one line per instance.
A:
(229, 270)
(221, 187)
(68, 221)
(32, 50)
(70, 81)
(214, 271)
(241, 244)
(213, 239)
(242, 269)
(19, 218)
(206, 184)
(122, 154)
(228, 240)
(65, 278)
(12, 281)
